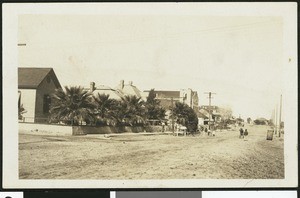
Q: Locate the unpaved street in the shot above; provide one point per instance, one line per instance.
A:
(224, 156)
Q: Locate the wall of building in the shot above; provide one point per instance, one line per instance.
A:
(80, 130)
(200, 121)
(46, 87)
(28, 97)
(61, 130)
(195, 101)
(189, 97)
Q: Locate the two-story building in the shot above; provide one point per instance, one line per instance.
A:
(186, 96)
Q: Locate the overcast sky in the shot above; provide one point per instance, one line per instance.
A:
(239, 58)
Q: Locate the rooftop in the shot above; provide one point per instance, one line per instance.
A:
(166, 94)
(31, 77)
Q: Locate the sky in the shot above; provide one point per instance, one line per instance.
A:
(238, 58)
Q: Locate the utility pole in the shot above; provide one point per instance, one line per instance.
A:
(209, 110)
(280, 116)
(172, 116)
(276, 111)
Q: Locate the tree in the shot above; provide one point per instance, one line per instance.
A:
(21, 111)
(154, 110)
(226, 115)
(185, 116)
(131, 111)
(72, 106)
(225, 112)
(105, 110)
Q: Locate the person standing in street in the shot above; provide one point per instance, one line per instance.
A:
(241, 133)
(163, 127)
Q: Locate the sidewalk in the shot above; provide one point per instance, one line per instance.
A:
(127, 134)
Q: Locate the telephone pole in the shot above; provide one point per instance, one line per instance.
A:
(280, 116)
(209, 110)
(276, 118)
(172, 115)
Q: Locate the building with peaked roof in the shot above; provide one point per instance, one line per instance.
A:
(128, 89)
(202, 117)
(118, 92)
(35, 86)
(102, 89)
(211, 111)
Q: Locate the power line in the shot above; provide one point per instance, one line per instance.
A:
(280, 116)
(166, 36)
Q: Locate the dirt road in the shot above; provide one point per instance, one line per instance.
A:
(224, 156)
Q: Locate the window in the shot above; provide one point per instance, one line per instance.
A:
(47, 103)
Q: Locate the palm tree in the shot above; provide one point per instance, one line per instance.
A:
(105, 110)
(72, 106)
(21, 111)
(131, 110)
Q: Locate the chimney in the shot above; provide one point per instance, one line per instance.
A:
(92, 86)
(121, 84)
(130, 82)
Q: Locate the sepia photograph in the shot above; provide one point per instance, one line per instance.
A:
(125, 96)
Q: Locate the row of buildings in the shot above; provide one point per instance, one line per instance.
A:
(35, 86)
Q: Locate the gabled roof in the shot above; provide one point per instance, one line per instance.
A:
(204, 112)
(201, 115)
(103, 89)
(31, 78)
(113, 94)
(131, 90)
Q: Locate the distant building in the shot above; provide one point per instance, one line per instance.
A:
(118, 92)
(213, 112)
(102, 89)
(212, 107)
(202, 118)
(35, 86)
(186, 96)
(190, 97)
(128, 89)
(166, 97)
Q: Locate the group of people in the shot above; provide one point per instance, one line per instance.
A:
(243, 133)
(210, 132)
